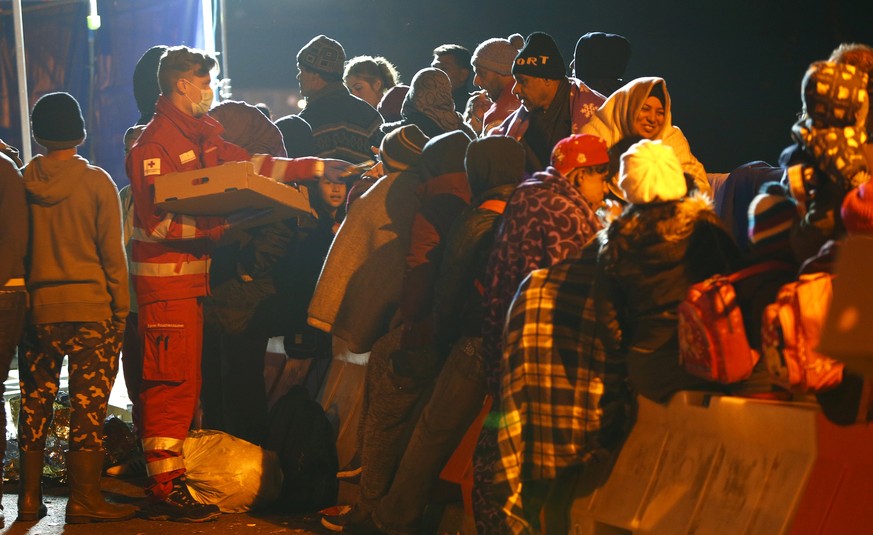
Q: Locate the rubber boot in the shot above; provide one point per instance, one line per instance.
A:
(30, 506)
(86, 503)
(2, 514)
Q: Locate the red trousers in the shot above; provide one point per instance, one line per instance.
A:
(172, 338)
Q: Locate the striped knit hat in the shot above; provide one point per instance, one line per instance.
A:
(401, 148)
(772, 213)
(857, 210)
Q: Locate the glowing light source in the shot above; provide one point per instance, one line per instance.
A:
(93, 18)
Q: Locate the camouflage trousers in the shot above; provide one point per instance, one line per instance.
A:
(92, 348)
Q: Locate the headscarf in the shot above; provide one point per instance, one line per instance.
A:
(615, 118)
(430, 93)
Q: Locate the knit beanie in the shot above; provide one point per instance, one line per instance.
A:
(57, 121)
(601, 55)
(579, 150)
(772, 214)
(831, 130)
(498, 55)
(540, 58)
(401, 148)
(833, 93)
(323, 54)
(650, 172)
(857, 210)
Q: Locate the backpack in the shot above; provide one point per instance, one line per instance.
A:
(712, 337)
(302, 436)
(790, 330)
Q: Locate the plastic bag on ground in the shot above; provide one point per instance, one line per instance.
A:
(229, 472)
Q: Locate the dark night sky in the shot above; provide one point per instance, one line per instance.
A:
(733, 68)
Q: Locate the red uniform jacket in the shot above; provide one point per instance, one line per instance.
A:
(169, 254)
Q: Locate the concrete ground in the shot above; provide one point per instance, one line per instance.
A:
(131, 492)
(445, 520)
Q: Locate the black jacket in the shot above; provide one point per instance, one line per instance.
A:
(649, 257)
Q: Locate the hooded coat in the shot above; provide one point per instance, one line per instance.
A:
(615, 119)
(76, 266)
(648, 259)
(494, 167)
(444, 194)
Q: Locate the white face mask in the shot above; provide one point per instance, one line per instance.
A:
(206, 98)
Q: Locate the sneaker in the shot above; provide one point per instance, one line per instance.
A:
(132, 468)
(357, 522)
(180, 506)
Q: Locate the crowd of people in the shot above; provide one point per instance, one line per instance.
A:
(513, 256)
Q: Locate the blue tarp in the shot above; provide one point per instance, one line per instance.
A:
(57, 55)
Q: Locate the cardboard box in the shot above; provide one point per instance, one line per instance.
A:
(228, 188)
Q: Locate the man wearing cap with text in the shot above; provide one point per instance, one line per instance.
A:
(553, 106)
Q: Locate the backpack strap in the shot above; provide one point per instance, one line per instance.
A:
(493, 205)
(772, 265)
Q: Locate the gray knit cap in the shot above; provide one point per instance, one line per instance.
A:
(498, 54)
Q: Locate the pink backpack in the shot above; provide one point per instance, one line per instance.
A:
(790, 330)
(712, 338)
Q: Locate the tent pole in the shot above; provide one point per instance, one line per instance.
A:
(23, 101)
(223, 29)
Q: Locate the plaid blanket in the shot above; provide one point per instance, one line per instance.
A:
(562, 402)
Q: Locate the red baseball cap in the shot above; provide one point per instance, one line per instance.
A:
(579, 150)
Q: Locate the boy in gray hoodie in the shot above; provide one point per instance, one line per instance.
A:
(76, 274)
